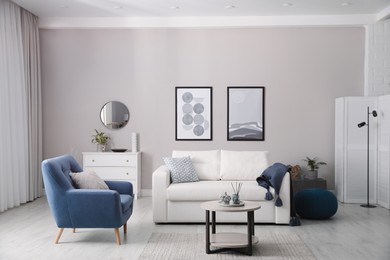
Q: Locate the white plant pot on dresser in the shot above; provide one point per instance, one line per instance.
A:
(116, 166)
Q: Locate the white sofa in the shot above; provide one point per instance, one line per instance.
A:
(217, 169)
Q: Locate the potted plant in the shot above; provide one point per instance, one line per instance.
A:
(313, 164)
(101, 139)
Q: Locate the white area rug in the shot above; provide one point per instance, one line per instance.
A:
(171, 246)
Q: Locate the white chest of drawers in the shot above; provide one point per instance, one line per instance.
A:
(116, 166)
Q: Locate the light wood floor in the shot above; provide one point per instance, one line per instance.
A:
(28, 232)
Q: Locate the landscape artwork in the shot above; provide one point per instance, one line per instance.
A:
(245, 113)
(193, 113)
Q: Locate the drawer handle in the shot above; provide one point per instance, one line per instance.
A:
(93, 160)
(127, 160)
(127, 173)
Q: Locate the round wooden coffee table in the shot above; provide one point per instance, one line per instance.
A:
(230, 241)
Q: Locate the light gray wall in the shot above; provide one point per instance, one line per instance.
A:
(303, 71)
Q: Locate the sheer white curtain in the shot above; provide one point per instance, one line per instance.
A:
(20, 109)
(30, 37)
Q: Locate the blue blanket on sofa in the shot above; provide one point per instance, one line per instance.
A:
(272, 177)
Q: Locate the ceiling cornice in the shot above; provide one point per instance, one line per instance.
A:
(204, 22)
(384, 14)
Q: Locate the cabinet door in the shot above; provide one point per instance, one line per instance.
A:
(356, 175)
(339, 148)
(351, 149)
(384, 151)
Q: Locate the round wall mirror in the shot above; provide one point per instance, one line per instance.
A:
(114, 115)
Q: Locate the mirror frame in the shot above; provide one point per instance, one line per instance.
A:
(109, 121)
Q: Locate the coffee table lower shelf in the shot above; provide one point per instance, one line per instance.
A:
(231, 240)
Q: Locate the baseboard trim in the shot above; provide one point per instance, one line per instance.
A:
(146, 193)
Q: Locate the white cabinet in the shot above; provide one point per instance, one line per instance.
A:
(351, 149)
(116, 166)
(384, 151)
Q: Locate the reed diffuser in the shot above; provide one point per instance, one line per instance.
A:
(236, 192)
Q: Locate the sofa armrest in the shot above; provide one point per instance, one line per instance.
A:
(161, 179)
(89, 208)
(282, 214)
(123, 187)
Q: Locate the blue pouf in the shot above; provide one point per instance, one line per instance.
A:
(315, 203)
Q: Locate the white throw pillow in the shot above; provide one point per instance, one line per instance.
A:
(88, 180)
(243, 165)
(182, 169)
(206, 163)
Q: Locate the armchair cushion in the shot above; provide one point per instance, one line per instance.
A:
(122, 187)
(126, 202)
(88, 180)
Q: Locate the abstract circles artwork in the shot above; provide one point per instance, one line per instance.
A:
(198, 108)
(193, 113)
(187, 119)
(198, 119)
(187, 97)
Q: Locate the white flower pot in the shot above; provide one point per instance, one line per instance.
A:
(101, 147)
(311, 175)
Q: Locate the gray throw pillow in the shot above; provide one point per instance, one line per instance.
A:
(182, 169)
(88, 180)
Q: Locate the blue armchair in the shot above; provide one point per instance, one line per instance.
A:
(85, 208)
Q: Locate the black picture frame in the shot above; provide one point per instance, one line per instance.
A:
(193, 113)
(246, 116)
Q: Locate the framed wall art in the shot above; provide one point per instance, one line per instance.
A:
(245, 113)
(193, 113)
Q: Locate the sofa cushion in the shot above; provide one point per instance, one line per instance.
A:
(206, 163)
(213, 190)
(88, 180)
(243, 165)
(182, 169)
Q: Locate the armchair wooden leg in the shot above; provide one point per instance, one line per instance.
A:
(118, 239)
(58, 235)
(125, 228)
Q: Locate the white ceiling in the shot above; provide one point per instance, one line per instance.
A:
(200, 8)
